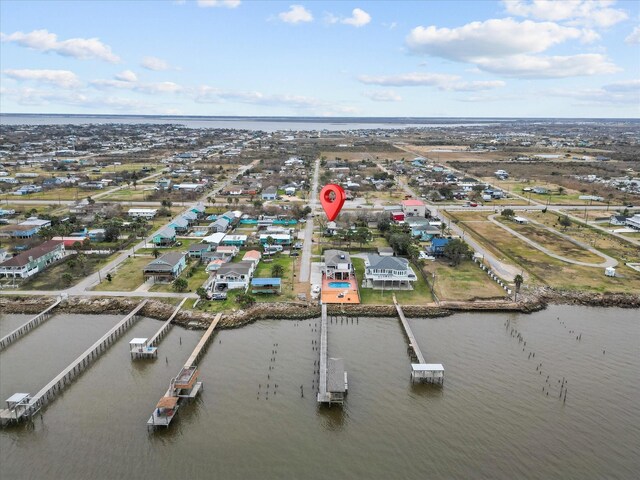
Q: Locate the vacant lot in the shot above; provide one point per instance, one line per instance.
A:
(462, 282)
(52, 277)
(127, 277)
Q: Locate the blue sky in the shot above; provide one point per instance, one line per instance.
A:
(521, 58)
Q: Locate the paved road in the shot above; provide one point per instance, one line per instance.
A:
(504, 270)
(305, 259)
(608, 261)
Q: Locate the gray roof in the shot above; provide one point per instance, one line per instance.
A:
(167, 232)
(333, 257)
(180, 222)
(166, 262)
(240, 268)
(376, 262)
(198, 247)
(335, 375)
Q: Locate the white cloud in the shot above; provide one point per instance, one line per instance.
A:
(531, 66)
(624, 86)
(80, 48)
(296, 14)
(439, 80)
(155, 64)
(207, 94)
(596, 13)
(491, 38)
(358, 18)
(126, 76)
(634, 37)
(59, 78)
(622, 94)
(219, 3)
(148, 88)
(383, 96)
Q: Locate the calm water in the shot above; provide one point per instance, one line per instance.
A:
(490, 420)
(267, 124)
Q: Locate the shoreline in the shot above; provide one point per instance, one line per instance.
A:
(195, 319)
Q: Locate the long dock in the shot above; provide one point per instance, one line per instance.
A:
(30, 325)
(421, 370)
(183, 386)
(332, 385)
(166, 326)
(48, 392)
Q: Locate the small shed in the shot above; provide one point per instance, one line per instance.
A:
(610, 272)
(520, 220)
(140, 348)
(427, 372)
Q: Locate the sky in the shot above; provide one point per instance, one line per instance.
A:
(506, 58)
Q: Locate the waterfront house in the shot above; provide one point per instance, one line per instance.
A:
(166, 268)
(388, 273)
(165, 237)
(337, 265)
(231, 276)
(32, 261)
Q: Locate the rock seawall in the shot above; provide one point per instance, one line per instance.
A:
(531, 302)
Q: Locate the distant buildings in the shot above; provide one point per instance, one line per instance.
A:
(147, 213)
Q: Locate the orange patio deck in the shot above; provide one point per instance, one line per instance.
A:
(342, 294)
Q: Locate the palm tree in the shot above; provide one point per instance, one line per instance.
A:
(277, 271)
(518, 282)
(156, 253)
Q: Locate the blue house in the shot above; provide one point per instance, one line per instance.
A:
(437, 246)
(180, 225)
(198, 210)
(165, 269)
(269, 193)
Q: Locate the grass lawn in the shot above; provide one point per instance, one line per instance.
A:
(53, 194)
(186, 243)
(195, 281)
(127, 194)
(552, 241)
(420, 295)
(51, 278)
(264, 271)
(128, 277)
(463, 282)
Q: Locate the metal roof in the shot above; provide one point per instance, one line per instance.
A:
(427, 367)
(260, 282)
(335, 375)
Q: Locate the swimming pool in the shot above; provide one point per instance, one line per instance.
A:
(339, 284)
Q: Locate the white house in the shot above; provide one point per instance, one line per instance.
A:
(414, 208)
(388, 273)
(634, 222)
(142, 212)
(231, 276)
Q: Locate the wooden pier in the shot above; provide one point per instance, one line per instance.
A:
(183, 386)
(64, 378)
(420, 370)
(30, 325)
(332, 385)
(148, 348)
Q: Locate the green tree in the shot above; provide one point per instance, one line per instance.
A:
(456, 250)
(245, 300)
(202, 292)
(277, 271)
(508, 213)
(109, 277)
(67, 278)
(561, 190)
(564, 221)
(180, 285)
(155, 252)
(518, 280)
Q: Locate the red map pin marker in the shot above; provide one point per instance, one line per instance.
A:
(332, 206)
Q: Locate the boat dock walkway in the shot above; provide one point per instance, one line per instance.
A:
(148, 348)
(64, 378)
(166, 326)
(332, 385)
(421, 370)
(30, 325)
(183, 386)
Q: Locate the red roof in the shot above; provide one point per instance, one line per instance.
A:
(413, 203)
(22, 259)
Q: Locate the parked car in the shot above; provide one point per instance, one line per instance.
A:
(298, 245)
(425, 256)
(219, 296)
(294, 254)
